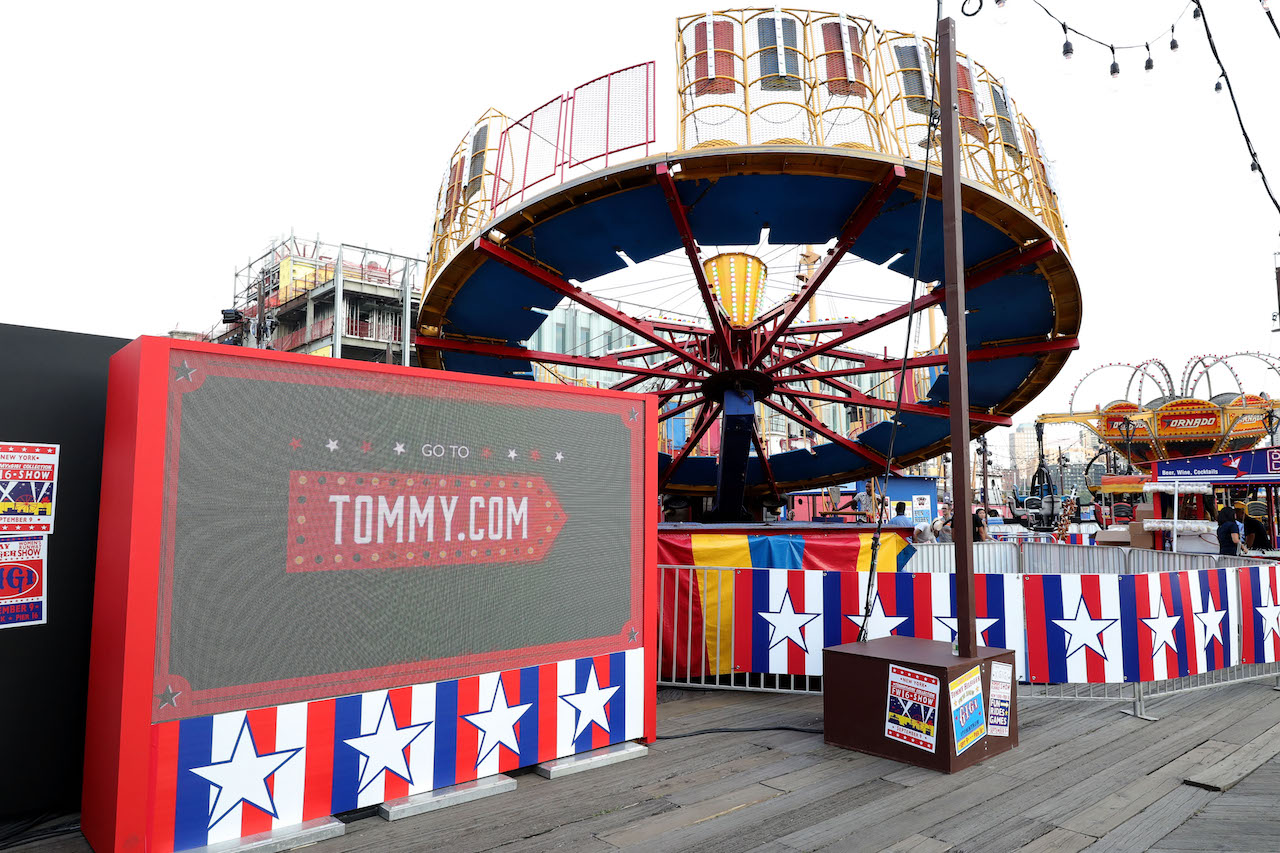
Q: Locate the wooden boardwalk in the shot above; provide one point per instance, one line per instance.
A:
(1084, 777)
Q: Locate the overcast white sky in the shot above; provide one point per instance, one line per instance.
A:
(151, 148)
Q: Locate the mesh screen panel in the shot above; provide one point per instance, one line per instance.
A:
(253, 590)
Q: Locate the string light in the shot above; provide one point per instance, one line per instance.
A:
(1115, 66)
(1151, 63)
(1173, 40)
(1067, 50)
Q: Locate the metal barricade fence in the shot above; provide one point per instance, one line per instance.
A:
(989, 558)
(1042, 558)
(1141, 561)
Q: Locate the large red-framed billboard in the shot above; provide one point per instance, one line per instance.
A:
(293, 549)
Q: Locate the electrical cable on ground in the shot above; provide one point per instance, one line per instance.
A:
(802, 729)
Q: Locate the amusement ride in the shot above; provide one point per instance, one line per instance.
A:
(799, 134)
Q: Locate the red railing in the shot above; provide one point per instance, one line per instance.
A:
(610, 115)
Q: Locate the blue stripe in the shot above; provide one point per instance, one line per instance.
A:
(529, 721)
(759, 627)
(191, 817)
(1229, 621)
(346, 761)
(776, 552)
(905, 555)
(1255, 618)
(996, 634)
(1129, 626)
(617, 706)
(446, 734)
(1176, 582)
(955, 611)
(581, 670)
(832, 618)
(1055, 637)
(904, 592)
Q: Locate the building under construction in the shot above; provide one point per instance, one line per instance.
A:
(327, 299)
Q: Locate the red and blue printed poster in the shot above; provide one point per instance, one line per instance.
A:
(22, 582)
(28, 482)
(912, 715)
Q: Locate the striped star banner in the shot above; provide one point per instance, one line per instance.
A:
(225, 776)
(1074, 630)
(1178, 623)
(1259, 614)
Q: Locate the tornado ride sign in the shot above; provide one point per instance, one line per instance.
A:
(310, 531)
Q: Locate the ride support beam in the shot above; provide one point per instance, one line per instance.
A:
(880, 365)
(765, 464)
(602, 362)
(680, 216)
(640, 328)
(680, 409)
(737, 429)
(867, 210)
(636, 380)
(983, 274)
(834, 437)
(704, 422)
(860, 399)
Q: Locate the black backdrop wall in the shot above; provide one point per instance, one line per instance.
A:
(53, 387)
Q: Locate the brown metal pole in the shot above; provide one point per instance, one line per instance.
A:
(957, 337)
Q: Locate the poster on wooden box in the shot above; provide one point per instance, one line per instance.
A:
(968, 716)
(912, 716)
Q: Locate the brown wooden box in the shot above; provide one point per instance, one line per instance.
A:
(856, 698)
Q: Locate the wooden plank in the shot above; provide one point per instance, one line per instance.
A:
(1224, 775)
(1119, 806)
(1250, 726)
(918, 844)
(780, 766)
(686, 816)
(1155, 822)
(1058, 841)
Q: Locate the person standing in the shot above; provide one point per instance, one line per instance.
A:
(980, 532)
(900, 517)
(1256, 537)
(942, 524)
(1228, 533)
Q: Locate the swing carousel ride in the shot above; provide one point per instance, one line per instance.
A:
(803, 148)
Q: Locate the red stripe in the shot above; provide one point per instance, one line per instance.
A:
(599, 737)
(795, 654)
(402, 707)
(849, 606)
(317, 799)
(1165, 586)
(508, 760)
(888, 592)
(1037, 647)
(742, 617)
(922, 595)
(1215, 597)
(675, 549)
(1275, 599)
(262, 723)
(1248, 653)
(468, 735)
(1095, 664)
(547, 700)
(164, 796)
(1142, 600)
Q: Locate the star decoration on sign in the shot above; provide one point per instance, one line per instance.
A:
(486, 453)
(1270, 613)
(786, 624)
(365, 447)
(242, 778)
(511, 454)
(878, 625)
(590, 704)
(1083, 630)
(180, 372)
(634, 414)
(535, 455)
(332, 445)
(952, 624)
(1162, 625)
(631, 636)
(399, 448)
(169, 697)
(497, 725)
(383, 750)
(295, 443)
(559, 456)
(1210, 621)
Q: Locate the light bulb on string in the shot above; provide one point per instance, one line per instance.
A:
(1173, 40)
(1067, 50)
(1217, 87)
(1151, 63)
(1195, 13)
(1115, 66)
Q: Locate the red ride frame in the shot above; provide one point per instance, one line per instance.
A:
(120, 739)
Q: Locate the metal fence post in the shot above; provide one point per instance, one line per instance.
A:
(1139, 710)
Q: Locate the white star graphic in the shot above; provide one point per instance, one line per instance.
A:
(399, 447)
(878, 625)
(952, 624)
(559, 456)
(498, 724)
(242, 778)
(786, 624)
(332, 445)
(1084, 630)
(1162, 625)
(511, 454)
(1211, 621)
(1270, 613)
(590, 704)
(384, 749)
